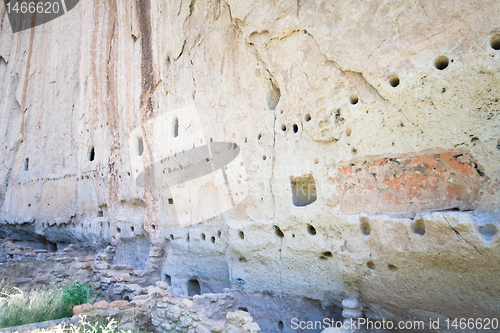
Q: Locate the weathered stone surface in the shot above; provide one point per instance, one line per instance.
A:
(101, 305)
(185, 322)
(122, 267)
(168, 326)
(133, 288)
(155, 321)
(104, 257)
(173, 313)
(186, 303)
(357, 129)
(79, 309)
(122, 305)
(414, 183)
(108, 312)
(157, 292)
(84, 265)
(106, 280)
(122, 277)
(102, 265)
(161, 284)
(238, 318)
(139, 273)
(118, 290)
(202, 329)
(251, 327)
(71, 248)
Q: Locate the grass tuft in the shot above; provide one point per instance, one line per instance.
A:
(19, 307)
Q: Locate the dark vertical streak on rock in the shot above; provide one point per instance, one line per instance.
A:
(112, 107)
(3, 14)
(26, 79)
(147, 70)
(143, 8)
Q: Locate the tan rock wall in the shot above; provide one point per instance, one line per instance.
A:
(355, 112)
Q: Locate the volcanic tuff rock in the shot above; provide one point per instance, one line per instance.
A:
(362, 149)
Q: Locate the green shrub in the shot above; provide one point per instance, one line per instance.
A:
(18, 307)
(75, 294)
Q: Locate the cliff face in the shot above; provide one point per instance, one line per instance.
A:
(351, 147)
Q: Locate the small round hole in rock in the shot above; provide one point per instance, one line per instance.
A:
(118, 229)
(441, 62)
(354, 99)
(140, 146)
(91, 154)
(392, 267)
(370, 265)
(176, 127)
(242, 259)
(348, 132)
(154, 227)
(295, 128)
(281, 326)
(418, 227)
(495, 42)
(394, 80)
(283, 127)
(241, 234)
(307, 117)
(212, 239)
(487, 231)
(365, 226)
(311, 230)
(264, 157)
(171, 237)
(278, 232)
(219, 233)
(327, 254)
(132, 229)
(203, 236)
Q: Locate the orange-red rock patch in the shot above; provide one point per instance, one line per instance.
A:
(411, 183)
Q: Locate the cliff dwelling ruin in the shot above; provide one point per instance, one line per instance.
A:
(274, 161)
